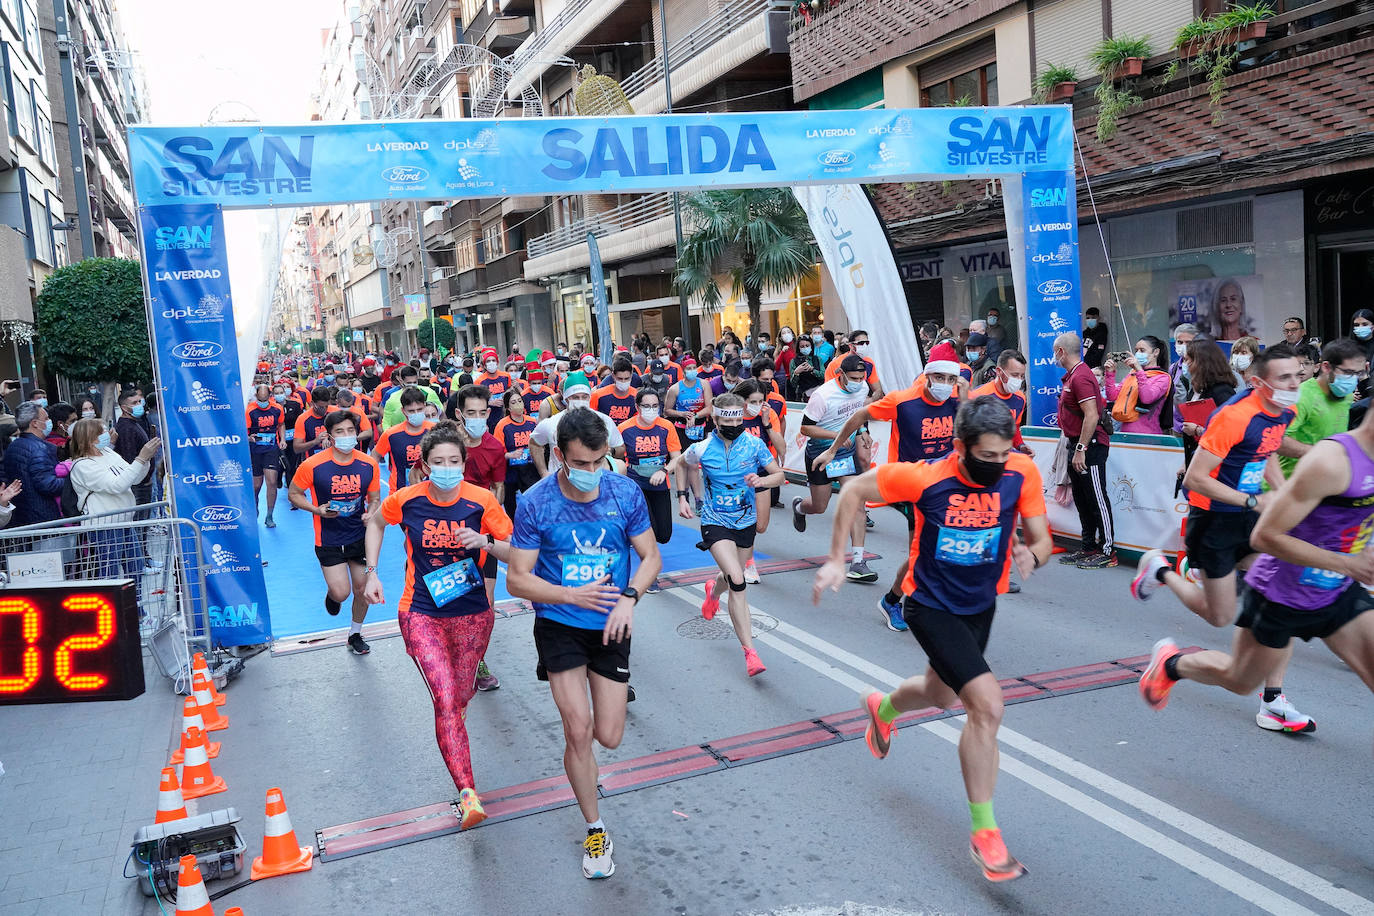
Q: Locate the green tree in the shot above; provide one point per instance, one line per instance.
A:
(436, 332)
(759, 237)
(343, 337)
(315, 345)
(91, 322)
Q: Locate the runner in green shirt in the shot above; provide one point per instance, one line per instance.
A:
(1323, 401)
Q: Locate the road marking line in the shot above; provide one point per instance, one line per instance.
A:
(1226, 878)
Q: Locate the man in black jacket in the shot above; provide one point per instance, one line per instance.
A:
(31, 460)
(131, 435)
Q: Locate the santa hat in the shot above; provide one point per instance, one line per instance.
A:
(943, 359)
(488, 354)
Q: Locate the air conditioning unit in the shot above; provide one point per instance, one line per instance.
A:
(607, 65)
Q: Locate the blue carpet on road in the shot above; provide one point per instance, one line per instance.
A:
(295, 587)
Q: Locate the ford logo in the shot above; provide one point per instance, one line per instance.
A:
(1055, 287)
(404, 174)
(216, 515)
(197, 349)
(836, 157)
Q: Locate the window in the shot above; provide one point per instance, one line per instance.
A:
(12, 13)
(965, 76)
(40, 230)
(563, 105)
(9, 90)
(23, 112)
(46, 149)
(494, 239)
(32, 42)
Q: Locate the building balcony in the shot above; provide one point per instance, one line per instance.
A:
(511, 7)
(528, 203)
(570, 28)
(737, 33)
(631, 229)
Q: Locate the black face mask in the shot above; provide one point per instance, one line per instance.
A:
(983, 473)
(730, 433)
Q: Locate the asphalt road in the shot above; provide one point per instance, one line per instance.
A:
(1112, 807)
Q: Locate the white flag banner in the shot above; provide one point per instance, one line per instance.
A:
(860, 262)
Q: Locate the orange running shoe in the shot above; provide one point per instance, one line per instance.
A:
(991, 855)
(879, 734)
(712, 603)
(752, 666)
(471, 806)
(1155, 684)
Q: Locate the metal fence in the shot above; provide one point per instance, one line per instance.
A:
(161, 554)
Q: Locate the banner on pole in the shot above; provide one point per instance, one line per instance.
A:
(415, 310)
(202, 411)
(599, 302)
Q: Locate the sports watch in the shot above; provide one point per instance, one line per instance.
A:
(630, 592)
(1251, 502)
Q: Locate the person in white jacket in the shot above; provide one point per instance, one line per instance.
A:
(104, 482)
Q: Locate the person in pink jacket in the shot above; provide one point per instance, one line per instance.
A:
(1154, 385)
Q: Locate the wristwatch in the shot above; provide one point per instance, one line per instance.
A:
(630, 592)
(1080, 447)
(1251, 502)
(370, 569)
(491, 539)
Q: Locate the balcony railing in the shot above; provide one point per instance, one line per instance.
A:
(704, 36)
(626, 216)
(537, 44)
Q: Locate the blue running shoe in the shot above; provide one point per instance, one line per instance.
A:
(893, 614)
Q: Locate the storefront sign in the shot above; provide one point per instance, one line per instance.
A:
(1343, 204)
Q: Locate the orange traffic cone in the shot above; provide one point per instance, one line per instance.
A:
(197, 778)
(280, 854)
(170, 804)
(198, 664)
(234, 911)
(191, 897)
(214, 719)
(190, 715)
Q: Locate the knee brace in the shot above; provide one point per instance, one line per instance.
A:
(736, 586)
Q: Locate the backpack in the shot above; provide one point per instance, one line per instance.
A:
(1127, 407)
(71, 506)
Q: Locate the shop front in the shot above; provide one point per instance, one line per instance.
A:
(1340, 238)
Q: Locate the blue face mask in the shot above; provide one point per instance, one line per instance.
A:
(1363, 331)
(586, 481)
(1342, 386)
(446, 477)
(47, 428)
(1092, 323)
(279, 398)
(263, 402)
(689, 375)
(475, 426)
(41, 402)
(345, 443)
(103, 442)
(329, 379)
(137, 410)
(416, 419)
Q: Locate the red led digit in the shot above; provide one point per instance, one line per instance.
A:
(104, 632)
(30, 624)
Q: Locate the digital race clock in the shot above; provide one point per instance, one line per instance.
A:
(70, 641)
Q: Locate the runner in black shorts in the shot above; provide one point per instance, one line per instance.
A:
(651, 443)
(570, 557)
(960, 562)
(1305, 584)
(264, 418)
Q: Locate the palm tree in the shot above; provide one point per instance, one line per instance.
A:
(759, 236)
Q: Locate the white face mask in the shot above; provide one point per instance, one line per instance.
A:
(1013, 383)
(753, 410)
(863, 349)
(579, 402)
(648, 414)
(1241, 361)
(786, 336)
(622, 387)
(491, 365)
(1283, 398)
(941, 391)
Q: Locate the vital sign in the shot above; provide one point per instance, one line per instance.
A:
(70, 641)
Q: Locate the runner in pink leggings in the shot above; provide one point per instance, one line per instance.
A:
(444, 613)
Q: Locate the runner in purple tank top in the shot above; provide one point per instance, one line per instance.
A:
(1307, 583)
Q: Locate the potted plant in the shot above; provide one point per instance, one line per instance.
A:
(1213, 45)
(1193, 36)
(1118, 58)
(1248, 23)
(1055, 84)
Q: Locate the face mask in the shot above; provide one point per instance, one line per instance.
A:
(1241, 361)
(1092, 323)
(88, 414)
(1012, 383)
(657, 379)
(1283, 398)
(973, 355)
(345, 444)
(357, 389)
(804, 351)
(1180, 349)
(690, 374)
(817, 338)
(730, 433)
(579, 402)
(941, 391)
(753, 410)
(279, 398)
(474, 426)
(446, 477)
(329, 379)
(94, 391)
(846, 387)
(103, 442)
(648, 414)
(137, 410)
(862, 349)
(786, 336)
(490, 365)
(262, 402)
(1142, 357)
(47, 428)
(1363, 331)
(416, 419)
(586, 481)
(41, 402)
(622, 387)
(1343, 386)
(515, 373)
(983, 473)
(992, 321)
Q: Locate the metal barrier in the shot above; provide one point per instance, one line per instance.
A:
(161, 554)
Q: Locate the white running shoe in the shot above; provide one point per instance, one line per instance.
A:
(1146, 581)
(596, 854)
(751, 573)
(1281, 716)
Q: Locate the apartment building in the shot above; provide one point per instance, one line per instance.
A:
(1265, 191)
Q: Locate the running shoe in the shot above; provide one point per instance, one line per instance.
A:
(1154, 683)
(879, 734)
(751, 573)
(868, 522)
(471, 807)
(1013, 588)
(357, 645)
(1146, 581)
(485, 679)
(1279, 715)
(629, 693)
(752, 666)
(1097, 561)
(798, 518)
(269, 522)
(991, 855)
(859, 572)
(712, 603)
(892, 613)
(1071, 557)
(332, 606)
(596, 854)
(653, 589)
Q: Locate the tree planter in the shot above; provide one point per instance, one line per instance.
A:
(1131, 66)
(1253, 31)
(1062, 92)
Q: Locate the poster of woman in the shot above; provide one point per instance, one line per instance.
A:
(1223, 308)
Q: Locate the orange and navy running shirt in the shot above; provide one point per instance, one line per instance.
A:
(443, 578)
(920, 429)
(515, 437)
(753, 426)
(345, 485)
(535, 399)
(647, 449)
(619, 407)
(1243, 435)
(961, 551)
(402, 444)
(496, 383)
(1015, 401)
(263, 425)
(308, 426)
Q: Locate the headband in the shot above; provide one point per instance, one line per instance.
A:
(728, 413)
